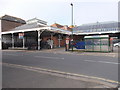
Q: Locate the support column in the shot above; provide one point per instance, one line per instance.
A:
(51, 41)
(0, 35)
(39, 34)
(1, 41)
(23, 40)
(59, 39)
(12, 40)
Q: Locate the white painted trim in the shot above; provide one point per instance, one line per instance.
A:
(52, 29)
(97, 36)
(25, 30)
(57, 30)
(96, 33)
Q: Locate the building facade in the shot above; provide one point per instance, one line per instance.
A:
(100, 28)
(7, 23)
(36, 33)
(10, 22)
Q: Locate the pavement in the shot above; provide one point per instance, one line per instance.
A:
(79, 52)
(28, 78)
(25, 72)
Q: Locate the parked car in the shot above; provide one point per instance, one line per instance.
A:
(116, 44)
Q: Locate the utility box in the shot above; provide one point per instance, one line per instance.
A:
(97, 43)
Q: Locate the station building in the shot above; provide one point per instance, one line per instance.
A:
(31, 34)
(34, 33)
(7, 23)
(98, 37)
(100, 28)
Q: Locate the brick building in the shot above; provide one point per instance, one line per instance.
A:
(65, 27)
(8, 22)
(36, 32)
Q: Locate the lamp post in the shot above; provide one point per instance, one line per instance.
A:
(72, 24)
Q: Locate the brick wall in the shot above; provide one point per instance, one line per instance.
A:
(8, 25)
(56, 42)
(78, 37)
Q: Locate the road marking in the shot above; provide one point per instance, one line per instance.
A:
(48, 57)
(62, 73)
(102, 62)
(12, 54)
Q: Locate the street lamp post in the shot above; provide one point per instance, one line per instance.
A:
(72, 24)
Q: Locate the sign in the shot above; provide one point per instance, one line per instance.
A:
(111, 39)
(21, 35)
(67, 40)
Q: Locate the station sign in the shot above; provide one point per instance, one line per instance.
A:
(67, 40)
(21, 35)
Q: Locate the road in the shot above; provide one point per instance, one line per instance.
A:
(90, 65)
(22, 78)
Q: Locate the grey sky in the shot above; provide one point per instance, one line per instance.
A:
(60, 11)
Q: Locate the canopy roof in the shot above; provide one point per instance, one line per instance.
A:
(36, 26)
(97, 28)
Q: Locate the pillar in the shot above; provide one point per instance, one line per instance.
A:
(23, 40)
(39, 34)
(12, 40)
(1, 41)
(51, 42)
(59, 40)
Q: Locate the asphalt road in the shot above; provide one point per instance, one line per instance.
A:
(97, 66)
(22, 78)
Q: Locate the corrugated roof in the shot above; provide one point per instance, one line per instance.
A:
(11, 18)
(96, 26)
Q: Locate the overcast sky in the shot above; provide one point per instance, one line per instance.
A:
(59, 11)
